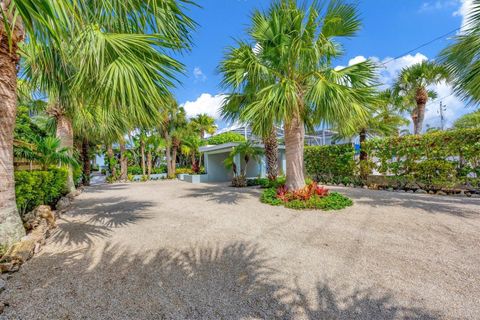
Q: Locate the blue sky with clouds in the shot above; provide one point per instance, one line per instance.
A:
(390, 29)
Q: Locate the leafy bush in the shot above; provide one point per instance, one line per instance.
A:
(312, 196)
(331, 164)
(225, 138)
(34, 188)
(189, 171)
(434, 160)
(334, 201)
(134, 170)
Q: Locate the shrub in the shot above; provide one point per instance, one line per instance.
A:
(225, 138)
(312, 196)
(34, 188)
(135, 170)
(334, 201)
(434, 160)
(189, 171)
(331, 164)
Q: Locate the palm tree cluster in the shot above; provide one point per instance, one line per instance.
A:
(104, 67)
(283, 75)
(104, 71)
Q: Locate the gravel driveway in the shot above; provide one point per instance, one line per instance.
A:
(173, 250)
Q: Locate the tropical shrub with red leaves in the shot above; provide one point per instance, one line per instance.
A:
(303, 194)
(312, 196)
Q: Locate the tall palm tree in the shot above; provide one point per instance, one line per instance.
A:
(172, 126)
(39, 20)
(291, 49)
(384, 119)
(233, 111)
(190, 145)
(413, 82)
(203, 123)
(462, 57)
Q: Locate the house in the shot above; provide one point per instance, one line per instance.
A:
(215, 156)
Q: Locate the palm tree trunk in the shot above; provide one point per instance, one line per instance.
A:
(142, 151)
(149, 163)
(174, 159)
(11, 226)
(418, 114)
(363, 155)
(294, 145)
(271, 154)
(65, 134)
(123, 161)
(111, 166)
(86, 162)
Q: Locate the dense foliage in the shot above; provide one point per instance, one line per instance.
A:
(225, 138)
(431, 161)
(34, 188)
(312, 196)
(331, 164)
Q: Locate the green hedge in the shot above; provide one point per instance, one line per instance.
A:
(432, 161)
(225, 138)
(331, 164)
(34, 188)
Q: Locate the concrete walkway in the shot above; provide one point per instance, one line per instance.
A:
(173, 250)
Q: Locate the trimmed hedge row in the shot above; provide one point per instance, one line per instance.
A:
(34, 188)
(431, 161)
(225, 138)
(331, 164)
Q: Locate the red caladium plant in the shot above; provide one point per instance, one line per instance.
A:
(303, 194)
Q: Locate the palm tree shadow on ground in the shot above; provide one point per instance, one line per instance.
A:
(200, 282)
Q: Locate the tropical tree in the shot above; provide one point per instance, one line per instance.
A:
(172, 126)
(203, 123)
(249, 152)
(233, 110)
(412, 84)
(43, 20)
(384, 119)
(190, 145)
(462, 58)
(291, 48)
(467, 121)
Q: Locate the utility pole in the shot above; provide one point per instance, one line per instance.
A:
(441, 111)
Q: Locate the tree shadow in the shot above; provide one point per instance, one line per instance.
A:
(234, 281)
(457, 206)
(95, 218)
(222, 193)
(360, 304)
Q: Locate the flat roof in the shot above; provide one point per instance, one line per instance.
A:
(227, 147)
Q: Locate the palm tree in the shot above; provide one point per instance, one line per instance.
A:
(172, 126)
(233, 109)
(384, 119)
(248, 151)
(49, 152)
(467, 121)
(291, 51)
(203, 123)
(462, 57)
(412, 84)
(39, 20)
(190, 145)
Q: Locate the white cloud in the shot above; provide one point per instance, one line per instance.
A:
(437, 5)
(464, 11)
(198, 74)
(205, 103)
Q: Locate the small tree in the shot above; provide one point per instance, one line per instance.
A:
(249, 152)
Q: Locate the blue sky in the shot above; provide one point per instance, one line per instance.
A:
(390, 28)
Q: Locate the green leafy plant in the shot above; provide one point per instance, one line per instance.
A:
(331, 164)
(434, 160)
(34, 188)
(225, 138)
